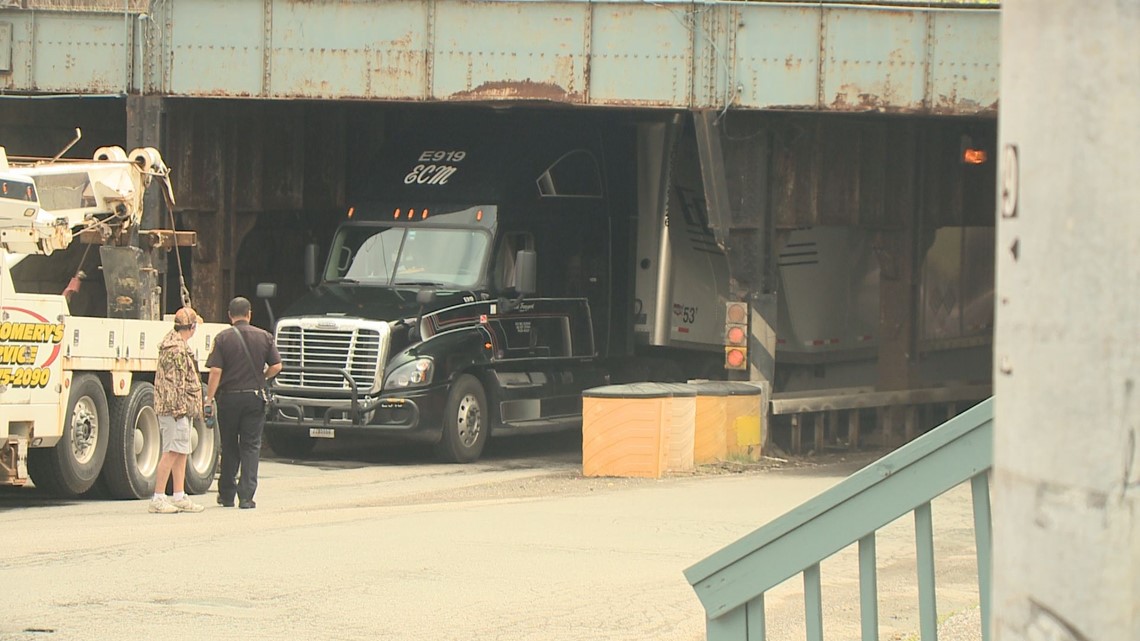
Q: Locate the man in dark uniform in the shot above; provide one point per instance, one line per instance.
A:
(243, 359)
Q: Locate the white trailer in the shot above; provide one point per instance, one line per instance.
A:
(76, 392)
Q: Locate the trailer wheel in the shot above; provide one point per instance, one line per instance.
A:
(135, 444)
(202, 463)
(72, 466)
(290, 446)
(465, 422)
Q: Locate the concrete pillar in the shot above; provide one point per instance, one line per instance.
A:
(1066, 491)
(895, 251)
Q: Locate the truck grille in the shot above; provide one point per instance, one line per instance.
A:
(356, 350)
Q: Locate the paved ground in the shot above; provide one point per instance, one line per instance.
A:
(380, 544)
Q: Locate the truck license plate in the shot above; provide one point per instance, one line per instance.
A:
(321, 432)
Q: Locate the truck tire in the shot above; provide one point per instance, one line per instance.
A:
(202, 463)
(135, 444)
(72, 466)
(290, 446)
(465, 422)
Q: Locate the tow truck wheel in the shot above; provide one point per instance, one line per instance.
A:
(202, 463)
(135, 444)
(290, 446)
(465, 422)
(72, 466)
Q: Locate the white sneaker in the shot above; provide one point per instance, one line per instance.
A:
(186, 505)
(161, 506)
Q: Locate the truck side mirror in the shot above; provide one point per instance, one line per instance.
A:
(265, 291)
(311, 279)
(526, 272)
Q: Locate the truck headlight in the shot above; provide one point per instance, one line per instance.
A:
(414, 374)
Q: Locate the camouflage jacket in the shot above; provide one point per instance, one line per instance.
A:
(177, 383)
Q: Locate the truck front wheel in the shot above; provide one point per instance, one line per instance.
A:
(72, 466)
(465, 422)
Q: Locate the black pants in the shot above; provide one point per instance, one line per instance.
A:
(241, 420)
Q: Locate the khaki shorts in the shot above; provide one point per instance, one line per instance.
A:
(175, 434)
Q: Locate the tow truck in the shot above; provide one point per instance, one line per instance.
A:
(76, 391)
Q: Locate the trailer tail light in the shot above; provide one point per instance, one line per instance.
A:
(736, 335)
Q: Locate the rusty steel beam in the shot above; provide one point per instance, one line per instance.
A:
(889, 57)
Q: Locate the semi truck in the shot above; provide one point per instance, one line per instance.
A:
(487, 271)
(76, 390)
(490, 266)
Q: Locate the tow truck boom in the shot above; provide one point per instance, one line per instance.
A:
(44, 203)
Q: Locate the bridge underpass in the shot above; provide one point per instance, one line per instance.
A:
(849, 115)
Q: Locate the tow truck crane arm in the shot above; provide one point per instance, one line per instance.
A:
(45, 203)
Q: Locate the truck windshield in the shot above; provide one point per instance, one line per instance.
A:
(408, 256)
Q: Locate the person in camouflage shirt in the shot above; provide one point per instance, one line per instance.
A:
(177, 401)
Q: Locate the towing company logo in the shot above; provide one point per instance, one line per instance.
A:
(27, 348)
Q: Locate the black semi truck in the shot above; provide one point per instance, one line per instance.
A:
(489, 268)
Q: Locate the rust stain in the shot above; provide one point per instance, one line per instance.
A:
(93, 6)
(402, 43)
(517, 90)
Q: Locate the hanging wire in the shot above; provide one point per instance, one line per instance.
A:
(183, 292)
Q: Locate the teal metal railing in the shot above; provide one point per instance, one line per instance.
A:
(731, 582)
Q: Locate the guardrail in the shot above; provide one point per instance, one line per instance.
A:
(731, 582)
(913, 410)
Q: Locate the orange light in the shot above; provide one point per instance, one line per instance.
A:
(397, 214)
(479, 215)
(423, 215)
(735, 335)
(351, 211)
(974, 156)
(486, 346)
(734, 359)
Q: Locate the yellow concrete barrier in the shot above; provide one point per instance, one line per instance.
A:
(639, 429)
(729, 422)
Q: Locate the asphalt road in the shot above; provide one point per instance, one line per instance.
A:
(381, 543)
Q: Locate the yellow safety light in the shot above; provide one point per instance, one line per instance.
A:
(351, 212)
(736, 335)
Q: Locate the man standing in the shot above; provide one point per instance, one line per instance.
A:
(243, 359)
(177, 401)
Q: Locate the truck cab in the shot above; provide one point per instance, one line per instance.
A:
(466, 291)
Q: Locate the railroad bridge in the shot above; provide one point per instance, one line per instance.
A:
(810, 114)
